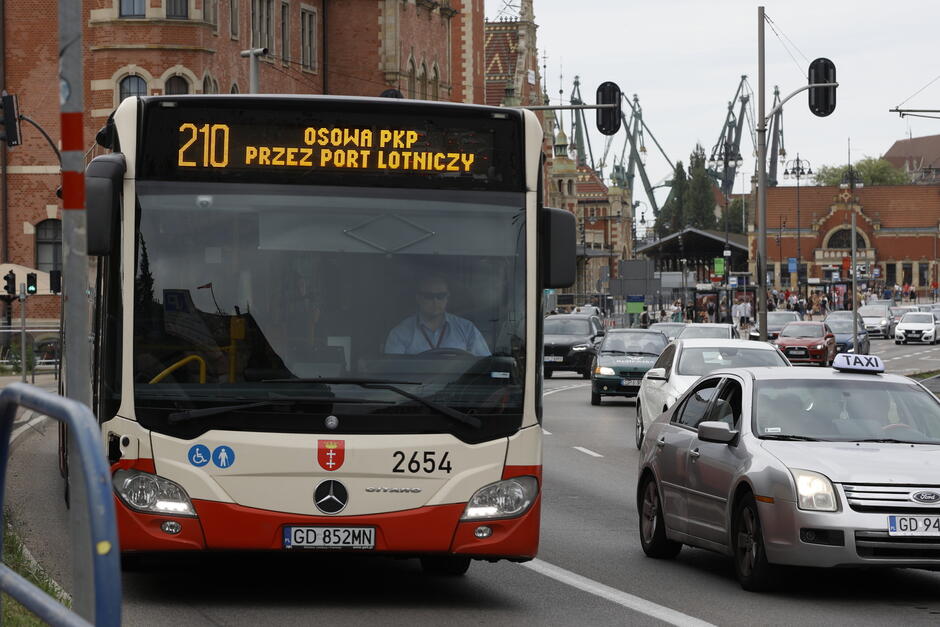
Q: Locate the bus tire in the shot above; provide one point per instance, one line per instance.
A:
(445, 565)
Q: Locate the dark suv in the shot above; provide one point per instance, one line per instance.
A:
(570, 341)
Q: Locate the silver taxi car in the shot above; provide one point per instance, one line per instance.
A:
(789, 466)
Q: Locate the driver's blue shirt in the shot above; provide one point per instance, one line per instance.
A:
(412, 336)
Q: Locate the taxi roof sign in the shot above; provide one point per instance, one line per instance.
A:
(848, 362)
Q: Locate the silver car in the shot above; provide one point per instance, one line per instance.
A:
(790, 466)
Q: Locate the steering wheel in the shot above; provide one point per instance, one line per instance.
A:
(448, 353)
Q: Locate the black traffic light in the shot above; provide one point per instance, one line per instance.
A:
(608, 118)
(9, 283)
(55, 281)
(31, 287)
(822, 100)
(11, 119)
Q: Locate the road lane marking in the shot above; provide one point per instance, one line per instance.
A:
(546, 432)
(567, 387)
(624, 599)
(586, 451)
(32, 423)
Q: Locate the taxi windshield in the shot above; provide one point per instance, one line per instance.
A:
(697, 361)
(847, 410)
(802, 331)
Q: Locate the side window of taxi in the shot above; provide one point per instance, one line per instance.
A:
(696, 404)
(727, 407)
(665, 358)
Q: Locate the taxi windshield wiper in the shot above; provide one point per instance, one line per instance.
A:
(794, 438)
(191, 414)
(383, 384)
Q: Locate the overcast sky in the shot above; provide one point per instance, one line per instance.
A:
(684, 59)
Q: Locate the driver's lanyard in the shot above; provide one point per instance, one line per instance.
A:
(440, 338)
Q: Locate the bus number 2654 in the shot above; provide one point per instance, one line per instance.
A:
(423, 461)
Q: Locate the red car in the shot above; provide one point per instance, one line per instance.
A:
(808, 342)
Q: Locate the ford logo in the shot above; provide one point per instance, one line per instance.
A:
(925, 497)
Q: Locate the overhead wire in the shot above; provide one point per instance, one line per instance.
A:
(770, 23)
(918, 91)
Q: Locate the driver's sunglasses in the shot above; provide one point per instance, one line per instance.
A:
(434, 295)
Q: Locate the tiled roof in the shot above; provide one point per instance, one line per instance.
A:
(589, 186)
(894, 206)
(916, 153)
(499, 58)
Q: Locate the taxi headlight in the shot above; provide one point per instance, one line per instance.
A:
(580, 347)
(813, 491)
(503, 499)
(604, 370)
(152, 494)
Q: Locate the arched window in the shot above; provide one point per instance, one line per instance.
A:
(412, 74)
(49, 245)
(132, 86)
(234, 89)
(570, 187)
(843, 239)
(176, 85)
(423, 83)
(435, 84)
(207, 85)
(561, 186)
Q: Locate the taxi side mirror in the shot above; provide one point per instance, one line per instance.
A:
(716, 431)
(656, 374)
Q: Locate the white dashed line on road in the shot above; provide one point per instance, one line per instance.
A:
(546, 432)
(567, 387)
(624, 599)
(586, 451)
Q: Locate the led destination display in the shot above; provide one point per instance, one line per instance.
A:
(260, 142)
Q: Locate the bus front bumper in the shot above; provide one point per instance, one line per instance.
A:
(426, 530)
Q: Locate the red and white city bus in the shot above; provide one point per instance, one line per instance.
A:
(317, 324)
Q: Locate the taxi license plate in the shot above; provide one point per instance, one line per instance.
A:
(914, 525)
(329, 537)
(554, 358)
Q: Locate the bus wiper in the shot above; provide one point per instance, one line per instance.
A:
(385, 384)
(191, 414)
(794, 438)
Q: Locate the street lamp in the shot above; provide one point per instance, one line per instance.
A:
(851, 180)
(726, 158)
(798, 169)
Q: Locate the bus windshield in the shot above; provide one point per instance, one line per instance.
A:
(314, 298)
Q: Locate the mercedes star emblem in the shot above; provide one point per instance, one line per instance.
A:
(331, 422)
(330, 497)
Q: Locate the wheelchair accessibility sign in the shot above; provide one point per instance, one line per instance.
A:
(199, 455)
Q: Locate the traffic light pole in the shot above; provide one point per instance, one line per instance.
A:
(22, 299)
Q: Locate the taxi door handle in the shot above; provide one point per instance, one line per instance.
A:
(661, 442)
(694, 454)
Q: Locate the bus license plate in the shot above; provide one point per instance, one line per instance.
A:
(914, 525)
(329, 537)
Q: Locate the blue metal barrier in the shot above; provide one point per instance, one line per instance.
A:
(83, 430)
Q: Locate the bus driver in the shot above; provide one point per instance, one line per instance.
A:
(432, 327)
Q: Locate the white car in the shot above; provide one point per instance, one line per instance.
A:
(684, 361)
(917, 326)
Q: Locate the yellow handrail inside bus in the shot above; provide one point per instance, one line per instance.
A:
(182, 362)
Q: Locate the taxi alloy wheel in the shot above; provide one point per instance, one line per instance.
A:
(754, 572)
(640, 429)
(652, 527)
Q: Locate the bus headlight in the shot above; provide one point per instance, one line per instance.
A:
(502, 499)
(813, 491)
(152, 494)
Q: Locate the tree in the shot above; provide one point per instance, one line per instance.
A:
(736, 217)
(699, 201)
(873, 172)
(671, 217)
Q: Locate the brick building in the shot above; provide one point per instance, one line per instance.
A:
(429, 49)
(897, 234)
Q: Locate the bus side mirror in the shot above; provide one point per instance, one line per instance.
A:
(558, 241)
(104, 180)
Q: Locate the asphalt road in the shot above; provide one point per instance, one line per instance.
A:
(590, 570)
